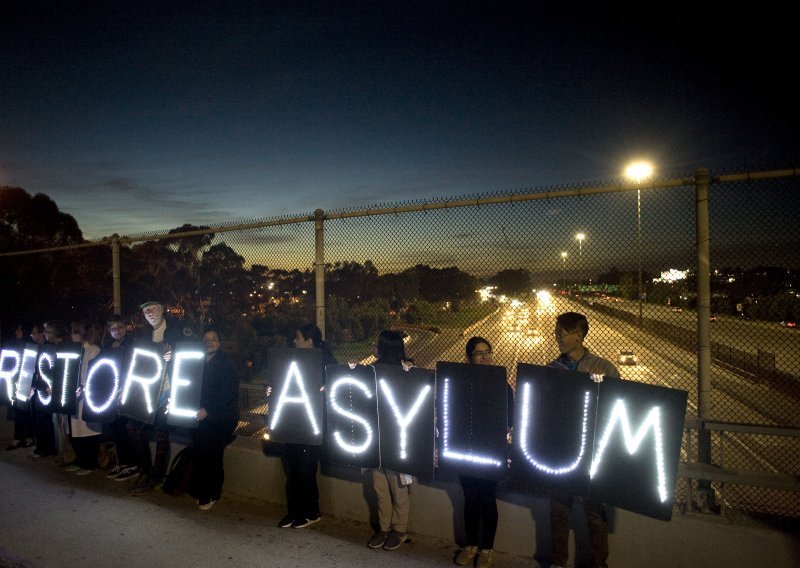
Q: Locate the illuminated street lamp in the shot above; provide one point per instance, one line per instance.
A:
(580, 237)
(564, 260)
(638, 172)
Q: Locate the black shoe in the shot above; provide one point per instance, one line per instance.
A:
(286, 522)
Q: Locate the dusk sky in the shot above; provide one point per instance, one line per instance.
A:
(139, 116)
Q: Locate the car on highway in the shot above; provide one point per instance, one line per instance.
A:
(713, 318)
(626, 357)
(678, 310)
(789, 323)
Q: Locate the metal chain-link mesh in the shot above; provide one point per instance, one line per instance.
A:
(503, 266)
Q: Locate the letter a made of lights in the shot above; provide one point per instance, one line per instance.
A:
(146, 382)
(403, 421)
(632, 442)
(446, 451)
(90, 391)
(524, 435)
(333, 399)
(294, 377)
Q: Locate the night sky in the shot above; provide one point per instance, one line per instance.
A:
(142, 116)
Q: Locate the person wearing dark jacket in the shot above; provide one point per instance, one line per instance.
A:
(152, 470)
(217, 417)
(301, 463)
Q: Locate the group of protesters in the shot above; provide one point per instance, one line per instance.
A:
(75, 443)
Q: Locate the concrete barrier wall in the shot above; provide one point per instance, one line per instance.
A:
(687, 540)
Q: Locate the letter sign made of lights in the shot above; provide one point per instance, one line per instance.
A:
(296, 403)
(406, 419)
(27, 370)
(186, 383)
(142, 383)
(472, 411)
(103, 387)
(44, 386)
(10, 362)
(553, 429)
(65, 378)
(352, 416)
(637, 447)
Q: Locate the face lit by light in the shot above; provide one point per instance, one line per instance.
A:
(211, 340)
(481, 354)
(117, 330)
(301, 342)
(154, 314)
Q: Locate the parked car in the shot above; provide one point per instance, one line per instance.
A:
(626, 357)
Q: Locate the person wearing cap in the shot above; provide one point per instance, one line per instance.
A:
(167, 332)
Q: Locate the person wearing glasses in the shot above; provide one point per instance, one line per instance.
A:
(570, 332)
(480, 495)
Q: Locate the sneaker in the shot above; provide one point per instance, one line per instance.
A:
(72, 467)
(466, 555)
(286, 522)
(127, 473)
(394, 540)
(36, 457)
(485, 558)
(378, 539)
(146, 487)
(302, 523)
(207, 505)
(115, 471)
(82, 471)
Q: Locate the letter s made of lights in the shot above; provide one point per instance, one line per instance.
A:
(334, 402)
(45, 397)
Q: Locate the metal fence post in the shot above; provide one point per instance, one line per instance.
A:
(704, 407)
(319, 267)
(115, 274)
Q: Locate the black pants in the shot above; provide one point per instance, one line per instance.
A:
(126, 454)
(140, 435)
(302, 493)
(45, 433)
(208, 474)
(480, 508)
(24, 426)
(86, 449)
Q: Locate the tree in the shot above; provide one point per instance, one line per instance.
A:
(512, 281)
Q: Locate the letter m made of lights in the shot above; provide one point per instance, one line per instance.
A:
(633, 441)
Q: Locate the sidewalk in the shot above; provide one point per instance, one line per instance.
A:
(51, 518)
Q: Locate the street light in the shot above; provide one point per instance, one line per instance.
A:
(564, 260)
(580, 237)
(639, 171)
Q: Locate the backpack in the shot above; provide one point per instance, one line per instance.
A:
(180, 473)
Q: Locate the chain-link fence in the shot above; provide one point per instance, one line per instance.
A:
(674, 297)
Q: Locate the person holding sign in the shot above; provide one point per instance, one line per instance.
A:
(217, 417)
(302, 460)
(391, 487)
(24, 426)
(121, 342)
(570, 332)
(480, 495)
(152, 470)
(84, 436)
(52, 334)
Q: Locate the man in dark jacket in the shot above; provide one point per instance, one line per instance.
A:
(217, 417)
(168, 332)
